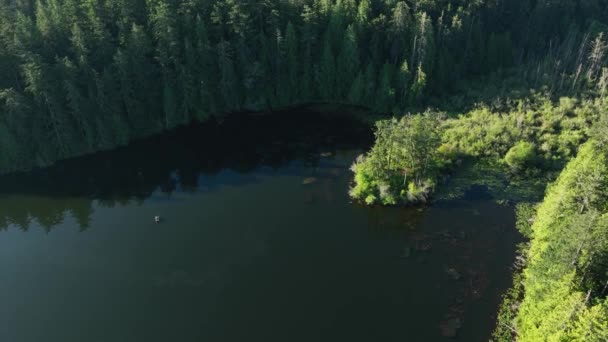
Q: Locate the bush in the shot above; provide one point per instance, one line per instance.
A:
(525, 213)
(521, 156)
(446, 154)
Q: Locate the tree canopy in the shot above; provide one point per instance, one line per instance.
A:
(80, 76)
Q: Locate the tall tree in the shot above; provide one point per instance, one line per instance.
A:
(326, 74)
(291, 60)
(348, 62)
(385, 96)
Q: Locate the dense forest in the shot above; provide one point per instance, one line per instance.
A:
(520, 82)
(81, 76)
(561, 294)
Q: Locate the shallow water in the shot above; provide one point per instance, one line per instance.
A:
(258, 242)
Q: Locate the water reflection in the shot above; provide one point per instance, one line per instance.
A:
(262, 251)
(20, 210)
(187, 160)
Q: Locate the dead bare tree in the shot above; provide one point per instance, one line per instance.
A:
(596, 57)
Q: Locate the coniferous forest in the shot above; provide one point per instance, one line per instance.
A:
(82, 76)
(521, 83)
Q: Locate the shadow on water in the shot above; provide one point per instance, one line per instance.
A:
(477, 193)
(199, 157)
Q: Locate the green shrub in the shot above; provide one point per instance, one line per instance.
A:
(363, 182)
(446, 155)
(521, 156)
(524, 213)
(386, 194)
(370, 199)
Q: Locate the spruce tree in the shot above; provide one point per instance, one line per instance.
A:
(348, 63)
(326, 73)
(291, 51)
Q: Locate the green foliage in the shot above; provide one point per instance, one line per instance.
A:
(402, 165)
(528, 134)
(385, 94)
(565, 277)
(522, 155)
(165, 63)
(417, 90)
(291, 60)
(326, 75)
(600, 129)
(347, 62)
(557, 129)
(357, 90)
(507, 312)
(525, 213)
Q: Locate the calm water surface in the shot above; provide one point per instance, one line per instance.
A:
(259, 242)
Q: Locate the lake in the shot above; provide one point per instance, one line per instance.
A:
(258, 241)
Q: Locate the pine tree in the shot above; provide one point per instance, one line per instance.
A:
(364, 14)
(79, 108)
(206, 75)
(493, 54)
(403, 84)
(369, 82)
(596, 57)
(10, 148)
(41, 84)
(171, 119)
(419, 85)
(385, 95)
(399, 29)
(291, 50)
(357, 90)
(348, 63)
(335, 27)
(327, 73)
(16, 115)
(111, 111)
(136, 69)
(228, 78)
(188, 74)
(424, 43)
(308, 39)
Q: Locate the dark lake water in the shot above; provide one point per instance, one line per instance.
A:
(258, 242)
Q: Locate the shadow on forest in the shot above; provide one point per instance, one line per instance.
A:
(184, 159)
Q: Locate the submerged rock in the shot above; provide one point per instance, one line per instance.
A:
(450, 327)
(335, 171)
(453, 273)
(425, 247)
(309, 180)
